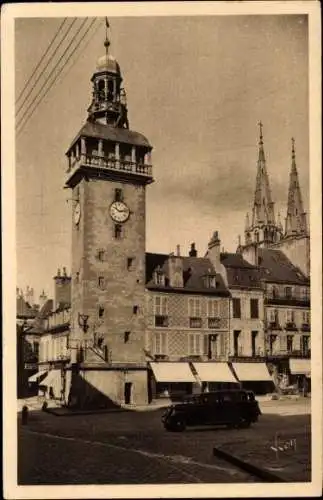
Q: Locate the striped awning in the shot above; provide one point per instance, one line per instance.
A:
(36, 376)
(252, 372)
(214, 372)
(52, 377)
(300, 366)
(172, 372)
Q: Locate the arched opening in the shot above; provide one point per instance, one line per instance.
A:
(101, 93)
(110, 90)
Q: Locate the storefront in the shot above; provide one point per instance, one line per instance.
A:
(254, 377)
(215, 376)
(171, 380)
(300, 374)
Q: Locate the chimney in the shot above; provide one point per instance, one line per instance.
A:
(30, 296)
(213, 252)
(175, 271)
(62, 295)
(178, 250)
(42, 299)
(193, 251)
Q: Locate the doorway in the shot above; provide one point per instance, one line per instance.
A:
(127, 392)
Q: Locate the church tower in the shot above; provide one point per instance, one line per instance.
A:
(263, 230)
(108, 170)
(296, 217)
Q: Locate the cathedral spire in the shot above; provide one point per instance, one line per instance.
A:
(263, 207)
(296, 217)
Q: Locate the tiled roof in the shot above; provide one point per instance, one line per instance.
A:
(240, 273)
(194, 269)
(108, 132)
(276, 267)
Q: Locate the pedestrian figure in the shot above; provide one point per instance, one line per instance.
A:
(24, 415)
(45, 405)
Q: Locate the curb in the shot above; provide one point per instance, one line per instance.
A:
(262, 474)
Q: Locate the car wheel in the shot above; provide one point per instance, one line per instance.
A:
(179, 425)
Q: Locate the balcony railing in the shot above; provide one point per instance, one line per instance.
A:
(195, 322)
(291, 326)
(281, 298)
(161, 321)
(274, 325)
(111, 164)
(213, 322)
(301, 353)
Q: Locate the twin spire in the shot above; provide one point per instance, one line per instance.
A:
(264, 229)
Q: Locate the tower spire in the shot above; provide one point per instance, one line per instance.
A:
(296, 217)
(107, 40)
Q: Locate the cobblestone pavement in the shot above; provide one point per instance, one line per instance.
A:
(133, 448)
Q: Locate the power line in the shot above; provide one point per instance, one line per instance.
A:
(41, 60)
(22, 124)
(49, 61)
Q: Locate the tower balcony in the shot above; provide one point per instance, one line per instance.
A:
(110, 167)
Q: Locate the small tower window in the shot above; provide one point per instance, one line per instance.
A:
(117, 231)
(101, 282)
(118, 194)
(101, 311)
(110, 90)
(130, 263)
(135, 309)
(101, 255)
(126, 337)
(101, 93)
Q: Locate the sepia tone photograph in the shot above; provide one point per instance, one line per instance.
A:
(163, 218)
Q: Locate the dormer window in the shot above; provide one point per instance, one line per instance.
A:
(159, 277)
(210, 281)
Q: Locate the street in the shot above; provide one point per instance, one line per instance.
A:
(134, 448)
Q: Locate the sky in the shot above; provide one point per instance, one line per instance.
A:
(196, 88)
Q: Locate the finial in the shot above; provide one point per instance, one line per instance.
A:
(260, 132)
(106, 41)
(293, 148)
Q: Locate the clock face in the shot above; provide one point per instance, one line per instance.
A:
(77, 213)
(119, 211)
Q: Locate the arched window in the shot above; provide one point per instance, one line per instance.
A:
(101, 93)
(110, 90)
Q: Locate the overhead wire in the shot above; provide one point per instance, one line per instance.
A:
(22, 124)
(40, 61)
(44, 69)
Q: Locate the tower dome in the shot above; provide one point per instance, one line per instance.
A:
(108, 63)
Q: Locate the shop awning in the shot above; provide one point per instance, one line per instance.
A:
(52, 377)
(214, 372)
(172, 372)
(36, 376)
(300, 366)
(252, 372)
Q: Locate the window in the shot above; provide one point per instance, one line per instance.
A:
(118, 195)
(288, 292)
(236, 308)
(160, 343)
(117, 231)
(135, 309)
(275, 292)
(159, 277)
(101, 282)
(126, 337)
(101, 311)
(236, 347)
(210, 281)
(206, 345)
(306, 317)
(213, 308)
(305, 344)
(194, 306)
(101, 254)
(161, 311)
(253, 342)
(194, 344)
(254, 309)
(289, 343)
(289, 316)
(130, 263)
(305, 293)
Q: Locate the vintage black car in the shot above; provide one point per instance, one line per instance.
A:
(233, 408)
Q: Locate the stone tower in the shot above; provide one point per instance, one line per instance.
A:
(263, 229)
(108, 170)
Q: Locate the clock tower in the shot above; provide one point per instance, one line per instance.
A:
(108, 170)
